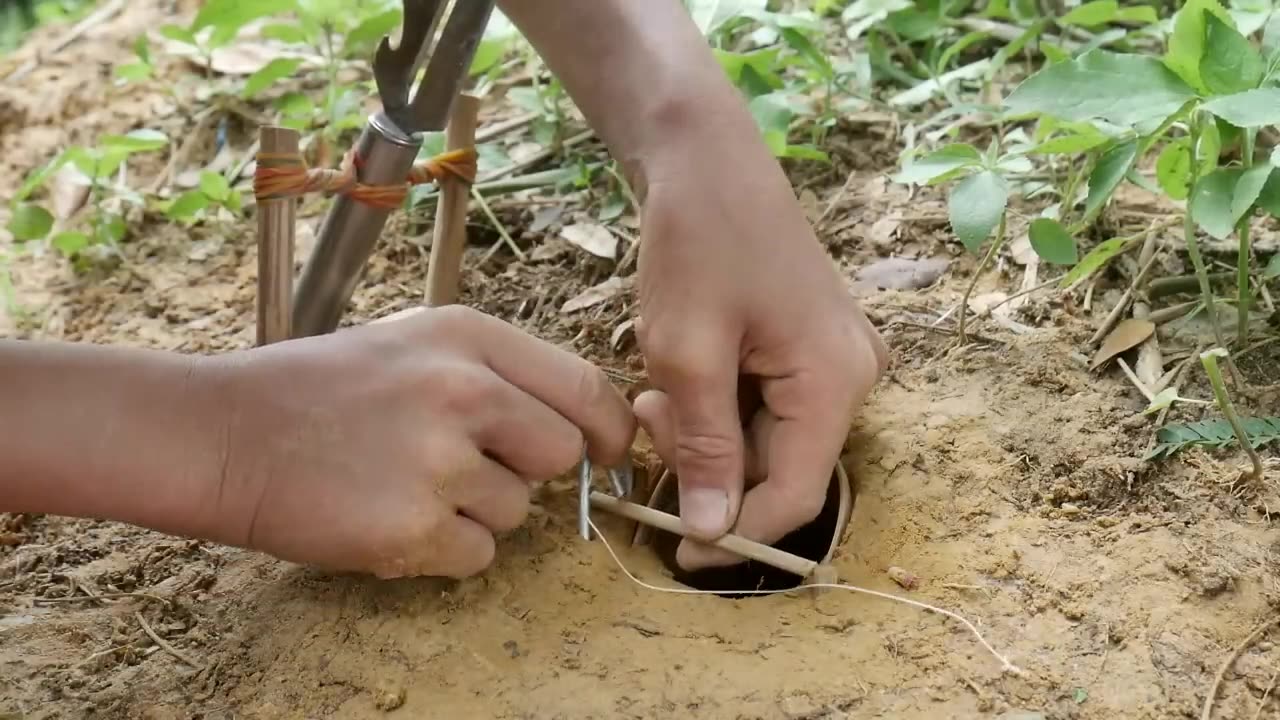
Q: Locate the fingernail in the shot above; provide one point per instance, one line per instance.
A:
(704, 510)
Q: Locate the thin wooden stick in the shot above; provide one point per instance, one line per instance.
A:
(164, 644)
(1207, 711)
(277, 227)
(1114, 316)
(449, 237)
(782, 560)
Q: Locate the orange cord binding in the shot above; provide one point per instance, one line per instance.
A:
(284, 175)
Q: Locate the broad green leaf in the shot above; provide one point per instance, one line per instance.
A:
(801, 43)
(214, 185)
(975, 207)
(710, 15)
(266, 75)
(69, 243)
(915, 25)
(1186, 44)
(1269, 197)
(373, 29)
(1211, 201)
(759, 64)
(1230, 64)
(137, 141)
(1107, 174)
(1095, 259)
(1273, 268)
(295, 105)
(111, 229)
(1209, 148)
(1162, 400)
(188, 205)
(805, 152)
(292, 34)
(1052, 242)
(1124, 89)
(30, 222)
(1070, 144)
(1091, 14)
(1248, 189)
(1054, 54)
(133, 72)
(1248, 109)
(771, 112)
(1173, 169)
(938, 163)
(178, 33)
(1143, 14)
(231, 15)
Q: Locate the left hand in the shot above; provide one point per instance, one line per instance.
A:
(734, 287)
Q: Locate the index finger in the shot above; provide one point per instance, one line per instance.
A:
(565, 382)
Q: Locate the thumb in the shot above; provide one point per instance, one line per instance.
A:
(700, 387)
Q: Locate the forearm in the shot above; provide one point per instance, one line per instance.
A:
(111, 433)
(644, 77)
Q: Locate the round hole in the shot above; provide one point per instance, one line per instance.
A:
(812, 541)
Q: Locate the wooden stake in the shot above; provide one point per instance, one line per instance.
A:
(449, 236)
(277, 225)
(774, 557)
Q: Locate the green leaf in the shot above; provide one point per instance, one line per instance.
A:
(1124, 89)
(1210, 148)
(1269, 198)
(960, 46)
(373, 29)
(1091, 14)
(137, 141)
(292, 34)
(69, 243)
(133, 72)
(30, 222)
(268, 74)
(1143, 14)
(1211, 201)
(1249, 109)
(1162, 400)
(1095, 259)
(1108, 173)
(1186, 44)
(710, 15)
(1230, 64)
(1173, 169)
(939, 163)
(1052, 242)
(756, 67)
(1273, 268)
(37, 178)
(188, 205)
(1248, 189)
(915, 25)
(975, 207)
(1215, 433)
(1070, 144)
(178, 34)
(111, 229)
(231, 15)
(214, 185)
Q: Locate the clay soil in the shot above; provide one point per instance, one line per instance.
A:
(1005, 475)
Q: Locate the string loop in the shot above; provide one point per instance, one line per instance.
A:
(286, 175)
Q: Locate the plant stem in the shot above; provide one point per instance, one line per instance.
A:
(1244, 297)
(1209, 359)
(1193, 246)
(986, 260)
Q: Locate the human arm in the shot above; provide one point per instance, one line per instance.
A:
(733, 286)
(398, 448)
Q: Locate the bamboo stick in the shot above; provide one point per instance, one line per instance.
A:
(774, 557)
(449, 236)
(277, 226)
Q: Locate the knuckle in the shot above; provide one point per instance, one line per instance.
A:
(704, 449)
(466, 389)
(454, 319)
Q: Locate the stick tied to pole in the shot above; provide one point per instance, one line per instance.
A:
(277, 227)
(449, 236)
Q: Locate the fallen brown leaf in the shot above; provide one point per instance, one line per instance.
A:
(592, 237)
(606, 290)
(1127, 335)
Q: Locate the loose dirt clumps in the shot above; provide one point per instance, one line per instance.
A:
(1005, 478)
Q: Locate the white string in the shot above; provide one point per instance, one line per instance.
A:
(1006, 665)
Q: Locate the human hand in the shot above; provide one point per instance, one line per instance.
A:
(400, 448)
(734, 288)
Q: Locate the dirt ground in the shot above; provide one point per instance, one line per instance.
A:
(1006, 476)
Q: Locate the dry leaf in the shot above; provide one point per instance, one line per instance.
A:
(606, 290)
(884, 232)
(1127, 335)
(620, 333)
(550, 250)
(592, 237)
(70, 191)
(545, 218)
(902, 273)
(905, 578)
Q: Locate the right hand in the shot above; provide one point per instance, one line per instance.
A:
(400, 448)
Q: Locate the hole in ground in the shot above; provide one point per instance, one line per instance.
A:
(809, 541)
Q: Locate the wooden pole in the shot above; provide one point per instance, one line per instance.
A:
(774, 557)
(449, 236)
(277, 226)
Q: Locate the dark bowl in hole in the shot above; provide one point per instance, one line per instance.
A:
(813, 541)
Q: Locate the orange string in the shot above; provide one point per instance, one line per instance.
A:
(285, 175)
